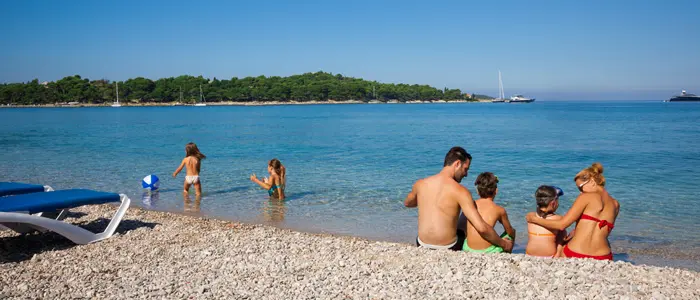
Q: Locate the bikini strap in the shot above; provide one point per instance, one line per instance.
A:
(541, 234)
(601, 223)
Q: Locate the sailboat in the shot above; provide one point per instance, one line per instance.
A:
(201, 98)
(179, 103)
(501, 96)
(116, 104)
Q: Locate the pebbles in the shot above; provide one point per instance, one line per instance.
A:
(161, 255)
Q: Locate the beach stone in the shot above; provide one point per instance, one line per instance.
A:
(166, 256)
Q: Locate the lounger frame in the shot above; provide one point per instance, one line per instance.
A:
(24, 223)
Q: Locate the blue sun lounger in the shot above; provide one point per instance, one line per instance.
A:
(16, 188)
(16, 212)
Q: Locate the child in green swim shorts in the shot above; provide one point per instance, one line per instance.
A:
(487, 187)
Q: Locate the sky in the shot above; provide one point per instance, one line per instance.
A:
(551, 50)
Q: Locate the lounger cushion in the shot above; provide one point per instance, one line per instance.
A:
(39, 202)
(16, 188)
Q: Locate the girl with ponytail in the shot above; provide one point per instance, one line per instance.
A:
(276, 182)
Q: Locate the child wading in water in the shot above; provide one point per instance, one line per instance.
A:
(192, 162)
(487, 187)
(542, 241)
(276, 183)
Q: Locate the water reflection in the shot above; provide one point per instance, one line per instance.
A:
(273, 210)
(192, 206)
(150, 198)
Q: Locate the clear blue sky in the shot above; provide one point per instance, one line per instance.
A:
(545, 49)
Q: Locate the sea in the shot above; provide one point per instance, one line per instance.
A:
(349, 167)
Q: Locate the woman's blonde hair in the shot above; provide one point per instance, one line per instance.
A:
(594, 172)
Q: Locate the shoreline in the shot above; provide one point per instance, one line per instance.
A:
(239, 103)
(165, 255)
(662, 256)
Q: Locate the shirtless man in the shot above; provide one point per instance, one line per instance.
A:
(439, 199)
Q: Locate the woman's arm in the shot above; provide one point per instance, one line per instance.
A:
(569, 218)
(263, 185)
(182, 164)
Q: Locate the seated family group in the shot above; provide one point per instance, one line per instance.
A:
(448, 217)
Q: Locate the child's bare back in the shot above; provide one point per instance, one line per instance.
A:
(192, 163)
(491, 213)
(542, 241)
(487, 187)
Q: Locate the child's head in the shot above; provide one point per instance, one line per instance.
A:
(547, 199)
(192, 150)
(274, 166)
(486, 185)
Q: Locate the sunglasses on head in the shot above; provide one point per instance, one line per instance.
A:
(580, 186)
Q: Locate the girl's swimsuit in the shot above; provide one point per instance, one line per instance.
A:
(272, 189)
(192, 179)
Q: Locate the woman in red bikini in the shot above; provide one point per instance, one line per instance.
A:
(594, 212)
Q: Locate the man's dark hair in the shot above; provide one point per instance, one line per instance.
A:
(486, 184)
(455, 154)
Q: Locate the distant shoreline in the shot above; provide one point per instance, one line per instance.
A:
(238, 103)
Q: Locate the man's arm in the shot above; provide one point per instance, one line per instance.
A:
(412, 198)
(469, 209)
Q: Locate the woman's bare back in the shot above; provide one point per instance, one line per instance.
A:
(591, 238)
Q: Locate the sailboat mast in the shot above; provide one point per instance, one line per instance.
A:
(117, 83)
(201, 95)
(501, 94)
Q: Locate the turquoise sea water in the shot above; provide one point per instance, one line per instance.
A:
(350, 166)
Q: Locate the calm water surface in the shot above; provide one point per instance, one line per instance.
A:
(350, 166)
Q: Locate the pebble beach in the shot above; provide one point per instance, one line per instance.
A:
(160, 255)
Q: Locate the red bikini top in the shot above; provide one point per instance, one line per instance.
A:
(601, 223)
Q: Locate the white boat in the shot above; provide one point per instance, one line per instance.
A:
(521, 99)
(201, 97)
(684, 97)
(116, 104)
(501, 95)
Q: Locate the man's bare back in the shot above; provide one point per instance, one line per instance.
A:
(438, 209)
